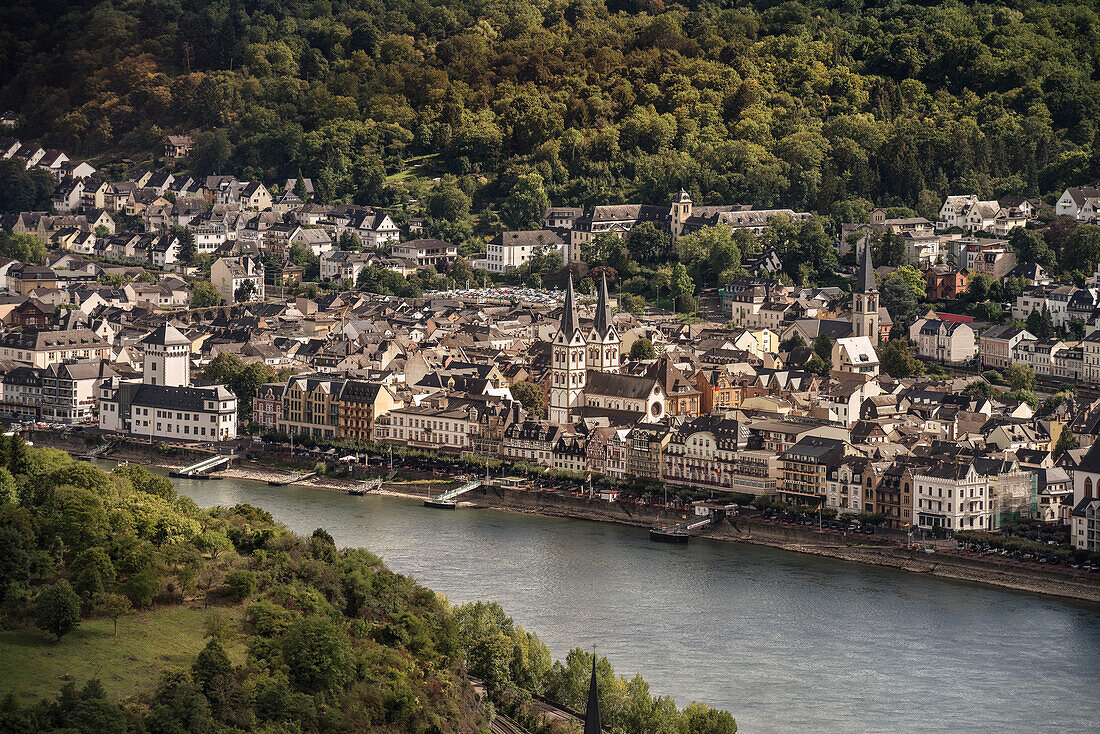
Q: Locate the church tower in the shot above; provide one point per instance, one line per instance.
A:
(865, 300)
(567, 363)
(167, 357)
(681, 211)
(603, 341)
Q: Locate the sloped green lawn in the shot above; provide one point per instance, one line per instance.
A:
(33, 665)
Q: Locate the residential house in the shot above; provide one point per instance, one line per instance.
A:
(231, 274)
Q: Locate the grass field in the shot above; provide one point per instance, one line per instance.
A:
(33, 665)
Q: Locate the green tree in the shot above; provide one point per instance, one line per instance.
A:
(698, 718)
(1082, 247)
(186, 252)
(57, 609)
(490, 658)
(112, 606)
(1020, 376)
(978, 389)
(648, 242)
(22, 247)
(203, 294)
(211, 665)
(898, 361)
(531, 397)
(92, 572)
(146, 481)
(448, 202)
(1030, 247)
(241, 583)
(318, 655)
(211, 152)
(526, 204)
(642, 348)
(178, 706)
(9, 494)
(794, 341)
(1067, 441)
(245, 291)
(681, 281)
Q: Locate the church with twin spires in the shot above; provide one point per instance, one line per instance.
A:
(584, 369)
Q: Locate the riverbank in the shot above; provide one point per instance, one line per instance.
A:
(743, 530)
(796, 539)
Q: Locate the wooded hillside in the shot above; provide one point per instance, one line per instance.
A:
(801, 104)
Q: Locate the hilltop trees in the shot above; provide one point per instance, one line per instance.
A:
(797, 105)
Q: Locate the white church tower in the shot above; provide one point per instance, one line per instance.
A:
(567, 363)
(603, 341)
(167, 357)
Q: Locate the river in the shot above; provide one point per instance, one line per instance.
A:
(789, 643)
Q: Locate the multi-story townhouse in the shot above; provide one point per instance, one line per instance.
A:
(531, 441)
(953, 496)
(643, 454)
(70, 390)
(804, 469)
(1039, 354)
(1085, 515)
(947, 342)
(702, 453)
(892, 496)
(997, 345)
(43, 348)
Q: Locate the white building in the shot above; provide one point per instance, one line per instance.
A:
(855, 355)
(511, 250)
(69, 390)
(952, 496)
(160, 412)
(1073, 200)
(228, 274)
(167, 357)
(949, 342)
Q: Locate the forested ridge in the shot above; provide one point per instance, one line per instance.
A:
(800, 104)
(292, 633)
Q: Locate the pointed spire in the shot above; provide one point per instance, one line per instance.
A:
(569, 320)
(592, 712)
(865, 283)
(603, 310)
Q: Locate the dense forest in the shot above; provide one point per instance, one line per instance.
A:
(292, 634)
(812, 105)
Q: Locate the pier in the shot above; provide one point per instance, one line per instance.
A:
(445, 501)
(202, 469)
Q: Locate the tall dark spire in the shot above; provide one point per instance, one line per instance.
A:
(603, 310)
(865, 283)
(592, 713)
(569, 320)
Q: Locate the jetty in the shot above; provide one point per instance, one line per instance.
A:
(296, 479)
(202, 469)
(445, 501)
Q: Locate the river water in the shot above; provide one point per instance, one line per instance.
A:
(788, 643)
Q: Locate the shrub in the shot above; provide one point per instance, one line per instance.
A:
(241, 583)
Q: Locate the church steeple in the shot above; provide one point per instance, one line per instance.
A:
(603, 309)
(569, 320)
(866, 280)
(604, 343)
(567, 362)
(592, 711)
(865, 300)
